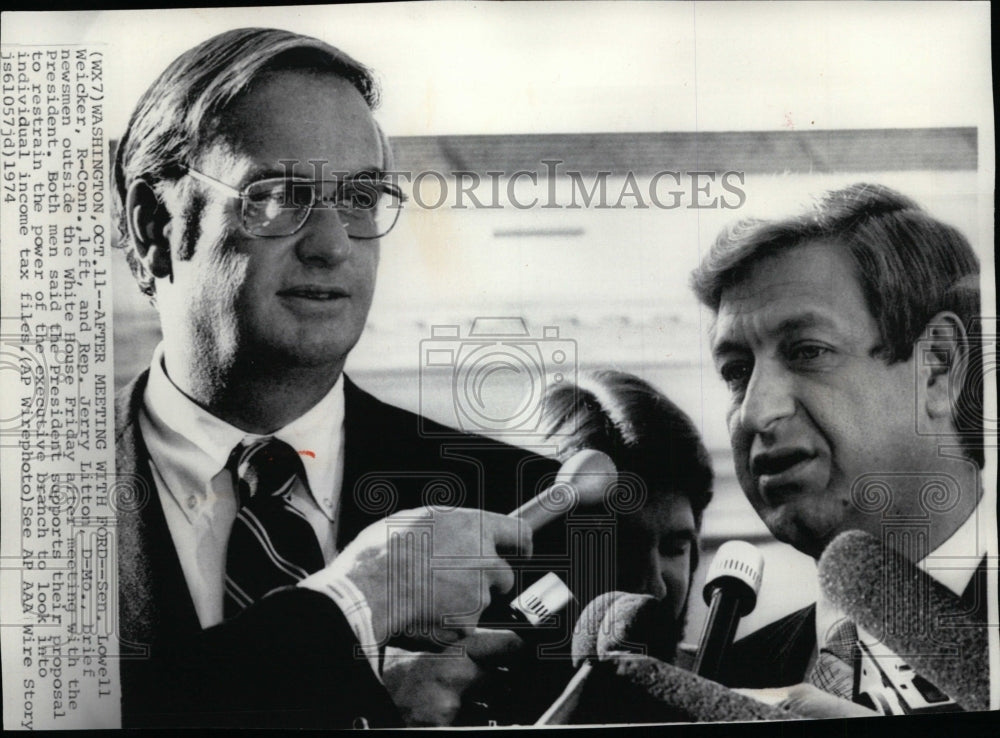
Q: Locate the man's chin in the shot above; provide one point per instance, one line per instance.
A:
(805, 536)
(307, 353)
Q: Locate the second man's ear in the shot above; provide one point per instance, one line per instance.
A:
(149, 226)
(944, 358)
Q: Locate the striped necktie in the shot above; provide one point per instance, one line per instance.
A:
(271, 544)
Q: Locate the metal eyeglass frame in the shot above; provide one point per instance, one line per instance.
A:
(241, 195)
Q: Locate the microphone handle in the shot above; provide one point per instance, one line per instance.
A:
(561, 711)
(717, 633)
(534, 513)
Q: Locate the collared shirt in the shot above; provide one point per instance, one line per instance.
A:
(954, 562)
(189, 448)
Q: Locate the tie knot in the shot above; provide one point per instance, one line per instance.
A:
(266, 467)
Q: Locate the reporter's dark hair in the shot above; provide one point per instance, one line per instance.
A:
(910, 266)
(180, 114)
(635, 424)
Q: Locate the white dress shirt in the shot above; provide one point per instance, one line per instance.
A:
(189, 448)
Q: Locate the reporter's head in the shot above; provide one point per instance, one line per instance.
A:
(662, 464)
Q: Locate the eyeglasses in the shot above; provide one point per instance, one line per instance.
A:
(278, 206)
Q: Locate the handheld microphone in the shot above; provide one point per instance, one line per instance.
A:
(584, 479)
(920, 620)
(531, 616)
(618, 622)
(653, 691)
(588, 627)
(539, 605)
(638, 624)
(730, 592)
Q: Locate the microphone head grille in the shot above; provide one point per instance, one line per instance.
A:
(543, 599)
(590, 474)
(737, 560)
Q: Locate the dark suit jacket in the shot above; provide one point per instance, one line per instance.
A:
(778, 654)
(289, 659)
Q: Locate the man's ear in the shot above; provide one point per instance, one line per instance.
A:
(149, 226)
(942, 363)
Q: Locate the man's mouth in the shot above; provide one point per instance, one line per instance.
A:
(313, 292)
(781, 473)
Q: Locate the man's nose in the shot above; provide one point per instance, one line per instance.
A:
(769, 397)
(651, 579)
(323, 239)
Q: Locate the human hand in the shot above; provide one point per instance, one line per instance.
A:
(811, 701)
(428, 574)
(428, 689)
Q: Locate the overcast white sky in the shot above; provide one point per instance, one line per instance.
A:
(518, 68)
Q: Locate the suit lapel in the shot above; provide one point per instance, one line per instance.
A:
(392, 456)
(370, 436)
(154, 598)
(775, 655)
(974, 598)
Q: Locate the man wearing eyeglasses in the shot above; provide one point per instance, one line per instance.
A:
(258, 585)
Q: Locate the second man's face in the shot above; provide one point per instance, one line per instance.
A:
(814, 412)
(292, 301)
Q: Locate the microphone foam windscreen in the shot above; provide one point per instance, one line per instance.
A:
(920, 620)
(588, 625)
(630, 623)
(665, 693)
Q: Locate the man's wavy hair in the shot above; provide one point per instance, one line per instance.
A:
(183, 111)
(910, 267)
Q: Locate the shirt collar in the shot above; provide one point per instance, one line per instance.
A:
(318, 437)
(199, 443)
(954, 562)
